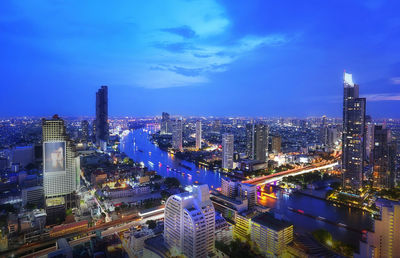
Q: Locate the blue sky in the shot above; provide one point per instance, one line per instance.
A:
(198, 57)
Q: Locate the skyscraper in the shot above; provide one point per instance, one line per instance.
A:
(198, 135)
(384, 158)
(257, 141)
(353, 134)
(369, 142)
(60, 173)
(165, 124)
(227, 151)
(189, 223)
(85, 131)
(101, 122)
(177, 135)
(276, 144)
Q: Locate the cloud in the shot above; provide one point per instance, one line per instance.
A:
(395, 80)
(183, 31)
(382, 97)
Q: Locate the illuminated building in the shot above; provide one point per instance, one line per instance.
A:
(177, 135)
(33, 195)
(384, 241)
(165, 124)
(242, 227)
(189, 223)
(271, 235)
(227, 151)
(101, 121)
(249, 192)
(369, 138)
(257, 141)
(384, 158)
(353, 134)
(223, 230)
(229, 187)
(198, 135)
(276, 144)
(61, 177)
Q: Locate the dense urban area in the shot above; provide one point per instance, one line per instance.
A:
(169, 185)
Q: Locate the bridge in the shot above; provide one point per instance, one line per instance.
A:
(292, 172)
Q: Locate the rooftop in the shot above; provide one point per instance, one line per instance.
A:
(268, 220)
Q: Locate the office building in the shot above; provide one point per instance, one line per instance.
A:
(189, 223)
(85, 131)
(227, 151)
(384, 158)
(198, 135)
(165, 127)
(369, 139)
(61, 177)
(177, 135)
(23, 155)
(257, 141)
(249, 192)
(276, 144)
(229, 187)
(384, 240)
(33, 196)
(101, 121)
(223, 230)
(270, 234)
(353, 138)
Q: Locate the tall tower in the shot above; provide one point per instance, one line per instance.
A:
(384, 158)
(177, 135)
(165, 124)
(227, 151)
(353, 134)
(257, 141)
(102, 117)
(198, 135)
(60, 172)
(85, 131)
(189, 223)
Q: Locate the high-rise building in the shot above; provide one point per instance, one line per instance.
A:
(384, 158)
(189, 223)
(177, 135)
(60, 174)
(85, 131)
(198, 135)
(353, 134)
(101, 121)
(165, 124)
(227, 151)
(229, 187)
(257, 141)
(276, 144)
(384, 240)
(369, 138)
(249, 192)
(217, 126)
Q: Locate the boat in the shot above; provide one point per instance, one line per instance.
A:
(184, 166)
(342, 225)
(321, 218)
(140, 150)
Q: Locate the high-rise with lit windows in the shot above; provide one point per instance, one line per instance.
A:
(177, 135)
(189, 223)
(101, 121)
(227, 151)
(198, 135)
(353, 134)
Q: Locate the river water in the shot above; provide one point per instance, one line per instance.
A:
(138, 147)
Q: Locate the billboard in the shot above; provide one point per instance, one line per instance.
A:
(54, 156)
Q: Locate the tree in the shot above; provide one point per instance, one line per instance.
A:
(172, 182)
(151, 223)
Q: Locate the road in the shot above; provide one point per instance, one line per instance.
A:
(292, 172)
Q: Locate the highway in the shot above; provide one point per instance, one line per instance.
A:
(41, 248)
(292, 172)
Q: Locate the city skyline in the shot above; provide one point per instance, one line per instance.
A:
(289, 66)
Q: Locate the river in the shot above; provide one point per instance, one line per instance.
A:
(138, 147)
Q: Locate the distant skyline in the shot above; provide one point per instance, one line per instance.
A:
(198, 57)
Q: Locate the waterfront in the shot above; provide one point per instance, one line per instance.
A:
(138, 147)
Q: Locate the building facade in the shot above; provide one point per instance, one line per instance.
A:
(177, 135)
(189, 223)
(227, 151)
(353, 138)
(101, 122)
(198, 135)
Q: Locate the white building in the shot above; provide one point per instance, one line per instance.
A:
(227, 151)
(177, 135)
(189, 223)
(198, 135)
(61, 177)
